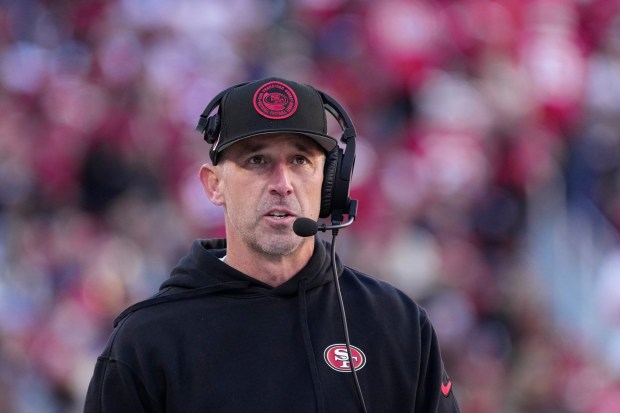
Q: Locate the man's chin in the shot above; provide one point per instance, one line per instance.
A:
(281, 246)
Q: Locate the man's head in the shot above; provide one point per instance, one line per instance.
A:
(269, 145)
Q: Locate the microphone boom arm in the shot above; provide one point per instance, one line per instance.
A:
(336, 224)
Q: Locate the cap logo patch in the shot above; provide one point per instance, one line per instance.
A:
(275, 100)
(337, 357)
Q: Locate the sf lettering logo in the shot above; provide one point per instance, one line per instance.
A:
(337, 357)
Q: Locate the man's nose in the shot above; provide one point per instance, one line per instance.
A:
(281, 180)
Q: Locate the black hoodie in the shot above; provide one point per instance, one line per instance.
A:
(215, 340)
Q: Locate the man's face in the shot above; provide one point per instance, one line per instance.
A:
(264, 183)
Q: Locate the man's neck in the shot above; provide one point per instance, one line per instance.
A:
(272, 270)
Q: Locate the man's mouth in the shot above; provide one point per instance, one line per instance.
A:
(278, 214)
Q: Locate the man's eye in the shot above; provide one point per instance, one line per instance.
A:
(257, 159)
(300, 160)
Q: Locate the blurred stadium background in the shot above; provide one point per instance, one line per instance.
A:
(488, 174)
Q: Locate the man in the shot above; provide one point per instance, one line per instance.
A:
(253, 323)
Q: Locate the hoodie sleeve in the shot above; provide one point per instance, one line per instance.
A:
(118, 386)
(115, 388)
(434, 393)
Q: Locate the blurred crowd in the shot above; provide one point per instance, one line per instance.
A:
(488, 175)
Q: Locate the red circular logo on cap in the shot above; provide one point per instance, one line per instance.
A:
(275, 100)
(337, 357)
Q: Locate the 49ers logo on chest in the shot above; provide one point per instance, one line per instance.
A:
(337, 357)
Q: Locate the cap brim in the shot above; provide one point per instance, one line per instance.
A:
(325, 141)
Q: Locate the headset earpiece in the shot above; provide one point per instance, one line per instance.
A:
(339, 165)
(329, 178)
(210, 126)
(212, 129)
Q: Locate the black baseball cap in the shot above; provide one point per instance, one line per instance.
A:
(267, 106)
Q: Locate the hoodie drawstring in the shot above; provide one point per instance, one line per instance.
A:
(314, 372)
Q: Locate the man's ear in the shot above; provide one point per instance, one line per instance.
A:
(211, 183)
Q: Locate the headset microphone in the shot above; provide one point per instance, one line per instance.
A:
(306, 227)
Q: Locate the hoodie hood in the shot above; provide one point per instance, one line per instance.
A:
(203, 267)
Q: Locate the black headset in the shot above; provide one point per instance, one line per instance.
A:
(339, 163)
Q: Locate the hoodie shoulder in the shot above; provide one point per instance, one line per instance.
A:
(384, 294)
(167, 296)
